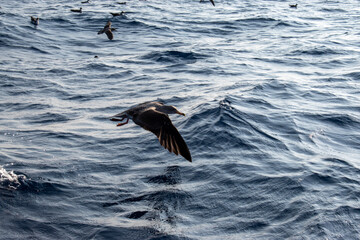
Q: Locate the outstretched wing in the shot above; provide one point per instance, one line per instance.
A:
(161, 125)
(105, 29)
(213, 3)
(109, 34)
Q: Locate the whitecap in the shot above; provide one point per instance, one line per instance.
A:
(10, 180)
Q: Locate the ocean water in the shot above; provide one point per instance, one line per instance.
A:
(272, 102)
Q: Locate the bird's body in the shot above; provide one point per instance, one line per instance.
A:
(108, 30)
(76, 10)
(118, 13)
(153, 116)
(293, 5)
(87, 1)
(34, 21)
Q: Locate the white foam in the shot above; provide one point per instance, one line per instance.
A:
(10, 179)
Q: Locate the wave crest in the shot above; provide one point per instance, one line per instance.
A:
(10, 180)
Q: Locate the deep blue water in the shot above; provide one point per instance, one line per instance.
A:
(272, 102)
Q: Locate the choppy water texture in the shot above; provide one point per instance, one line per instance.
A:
(272, 102)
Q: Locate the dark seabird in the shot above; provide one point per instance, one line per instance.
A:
(293, 5)
(121, 3)
(108, 30)
(212, 1)
(34, 21)
(153, 116)
(118, 13)
(87, 1)
(76, 10)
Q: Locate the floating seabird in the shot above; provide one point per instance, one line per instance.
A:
(87, 1)
(293, 5)
(212, 1)
(34, 21)
(76, 10)
(121, 3)
(153, 116)
(118, 13)
(108, 30)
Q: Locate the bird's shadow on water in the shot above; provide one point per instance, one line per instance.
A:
(171, 176)
(160, 201)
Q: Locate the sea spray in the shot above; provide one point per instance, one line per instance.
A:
(10, 180)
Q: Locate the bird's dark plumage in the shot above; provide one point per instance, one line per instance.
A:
(118, 13)
(34, 21)
(76, 10)
(212, 1)
(153, 116)
(108, 30)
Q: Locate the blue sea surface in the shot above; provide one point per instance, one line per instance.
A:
(272, 102)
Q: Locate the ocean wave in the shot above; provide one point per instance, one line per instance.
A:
(61, 71)
(316, 51)
(20, 106)
(46, 118)
(10, 180)
(317, 178)
(223, 127)
(338, 10)
(108, 232)
(353, 75)
(173, 56)
(16, 181)
(170, 177)
(336, 119)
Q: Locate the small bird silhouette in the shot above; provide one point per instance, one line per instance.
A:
(34, 21)
(76, 10)
(108, 30)
(118, 13)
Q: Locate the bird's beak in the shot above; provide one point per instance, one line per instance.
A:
(180, 113)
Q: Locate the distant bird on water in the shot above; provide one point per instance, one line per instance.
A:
(293, 5)
(212, 1)
(76, 10)
(118, 13)
(153, 116)
(108, 30)
(34, 21)
(87, 1)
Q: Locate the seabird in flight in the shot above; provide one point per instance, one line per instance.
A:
(108, 30)
(153, 116)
